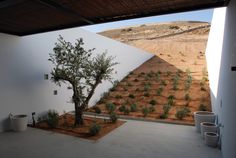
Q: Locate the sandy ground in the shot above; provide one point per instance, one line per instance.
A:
(178, 46)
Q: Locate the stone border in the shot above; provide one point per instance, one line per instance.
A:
(137, 119)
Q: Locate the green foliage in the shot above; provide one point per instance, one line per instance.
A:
(146, 87)
(145, 111)
(159, 72)
(163, 83)
(153, 102)
(127, 111)
(175, 87)
(187, 85)
(137, 89)
(110, 107)
(187, 110)
(118, 96)
(203, 88)
(122, 108)
(126, 77)
(188, 71)
(159, 91)
(204, 72)
(133, 108)
(52, 118)
(158, 76)
(129, 84)
(171, 100)
(203, 83)
(181, 113)
(113, 117)
(94, 129)
(97, 109)
(151, 109)
(202, 107)
(146, 78)
(174, 27)
(163, 116)
(166, 108)
(187, 97)
(131, 73)
(75, 65)
(131, 96)
(150, 74)
(140, 75)
(114, 85)
(178, 73)
(171, 97)
(146, 94)
(175, 81)
(168, 73)
(188, 81)
(176, 78)
(104, 96)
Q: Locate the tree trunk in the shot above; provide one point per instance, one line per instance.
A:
(78, 116)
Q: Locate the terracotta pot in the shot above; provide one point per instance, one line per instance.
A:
(211, 139)
(203, 116)
(19, 122)
(208, 127)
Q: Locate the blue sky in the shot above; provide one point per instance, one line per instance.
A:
(202, 15)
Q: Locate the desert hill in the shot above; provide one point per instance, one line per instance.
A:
(176, 75)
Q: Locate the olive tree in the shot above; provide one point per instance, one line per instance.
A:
(83, 71)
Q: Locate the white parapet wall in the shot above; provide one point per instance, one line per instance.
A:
(24, 61)
(221, 60)
(213, 56)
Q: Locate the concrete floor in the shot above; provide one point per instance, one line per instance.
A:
(134, 139)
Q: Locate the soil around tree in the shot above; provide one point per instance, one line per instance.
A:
(66, 126)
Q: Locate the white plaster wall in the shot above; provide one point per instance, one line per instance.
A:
(221, 56)
(213, 55)
(23, 63)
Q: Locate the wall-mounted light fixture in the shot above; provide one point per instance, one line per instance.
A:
(233, 68)
(55, 92)
(45, 76)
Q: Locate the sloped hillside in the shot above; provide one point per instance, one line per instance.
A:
(171, 85)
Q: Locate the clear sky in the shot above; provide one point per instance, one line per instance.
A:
(202, 15)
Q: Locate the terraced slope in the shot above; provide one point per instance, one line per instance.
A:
(176, 76)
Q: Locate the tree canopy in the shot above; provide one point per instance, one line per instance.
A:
(79, 67)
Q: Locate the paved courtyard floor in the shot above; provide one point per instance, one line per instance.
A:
(134, 139)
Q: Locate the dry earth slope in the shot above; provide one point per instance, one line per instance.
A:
(177, 73)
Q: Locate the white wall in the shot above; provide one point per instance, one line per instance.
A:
(213, 55)
(221, 56)
(23, 63)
